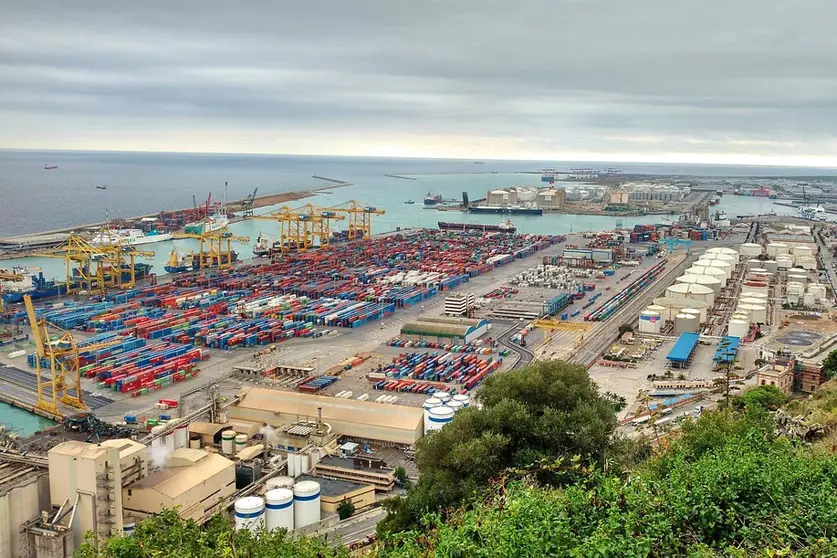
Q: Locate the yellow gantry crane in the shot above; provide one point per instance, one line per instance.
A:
(95, 269)
(302, 228)
(64, 383)
(551, 326)
(215, 247)
(360, 218)
(10, 276)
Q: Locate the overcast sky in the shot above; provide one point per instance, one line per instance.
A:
(727, 81)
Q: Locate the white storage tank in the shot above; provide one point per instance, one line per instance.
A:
(195, 441)
(228, 441)
(742, 315)
(738, 328)
(462, 398)
(726, 267)
(818, 291)
(784, 262)
(751, 249)
(796, 288)
(181, 435)
(801, 250)
(697, 270)
(685, 323)
(775, 249)
(650, 322)
(758, 313)
(240, 442)
(806, 262)
(691, 292)
(306, 503)
(658, 309)
(712, 282)
(279, 482)
(249, 514)
(771, 266)
(442, 396)
(431, 402)
(438, 417)
(724, 250)
(754, 294)
(673, 306)
(455, 405)
(158, 442)
(692, 312)
(279, 509)
(797, 278)
(716, 272)
(751, 300)
(690, 279)
(168, 442)
(808, 299)
(753, 264)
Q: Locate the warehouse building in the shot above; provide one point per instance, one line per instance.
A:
(460, 304)
(445, 329)
(333, 492)
(358, 420)
(357, 469)
(24, 492)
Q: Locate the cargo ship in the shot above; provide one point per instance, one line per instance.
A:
(504, 227)
(713, 201)
(128, 237)
(33, 284)
(141, 271)
(212, 223)
(180, 262)
(432, 199)
(263, 245)
(512, 210)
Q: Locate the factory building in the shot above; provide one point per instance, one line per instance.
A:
(445, 329)
(24, 492)
(460, 304)
(554, 198)
(358, 469)
(359, 420)
(193, 480)
(333, 492)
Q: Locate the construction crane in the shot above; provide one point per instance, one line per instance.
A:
(95, 269)
(248, 203)
(360, 218)
(551, 326)
(301, 228)
(215, 247)
(64, 383)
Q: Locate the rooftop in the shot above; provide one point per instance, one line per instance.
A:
(683, 348)
(333, 488)
(174, 481)
(349, 463)
(86, 450)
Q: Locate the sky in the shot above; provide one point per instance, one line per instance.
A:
(697, 81)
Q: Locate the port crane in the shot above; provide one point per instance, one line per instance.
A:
(64, 383)
(9, 276)
(673, 243)
(248, 203)
(301, 228)
(215, 247)
(551, 326)
(95, 269)
(360, 218)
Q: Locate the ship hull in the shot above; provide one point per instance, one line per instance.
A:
(177, 268)
(475, 227)
(506, 210)
(17, 297)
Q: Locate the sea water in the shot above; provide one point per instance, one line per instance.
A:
(21, 421)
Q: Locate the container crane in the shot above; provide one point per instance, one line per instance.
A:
(360, 218)
(10, 276)
(215, 247)
(551, 326)
(64, 383)
(300, 228)
(248, 203)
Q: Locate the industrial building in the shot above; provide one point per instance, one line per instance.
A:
(195, 481)
(333, 492)
(359, 420)
(445, 329)
(24, 492)
(358, 469)
(655, 192)
(460, 304)
(527, 196)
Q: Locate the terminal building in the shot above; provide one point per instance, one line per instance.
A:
(445, 329)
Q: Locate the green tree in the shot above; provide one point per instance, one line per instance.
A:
(531, 417)
(769, 398)
(829, 365)
(345, 509)
(625, 328)
(401, 477)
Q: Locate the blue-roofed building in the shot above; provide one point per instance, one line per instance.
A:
(681, 354)
(727, 350)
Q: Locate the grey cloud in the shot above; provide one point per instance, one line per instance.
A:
(592, 76)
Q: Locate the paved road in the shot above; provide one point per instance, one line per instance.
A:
(27, 380)
(525, 355)
(356, 528)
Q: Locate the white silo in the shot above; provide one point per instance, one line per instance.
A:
(464, 399)
(691, 292)
(733, 260)
(723, 250)
(431, 402)
(249, 514)
(719, 273)
(455, 405)
(725, 266)
(442, 396)
(802, 251)
(306, 503)
(168, 442)
(758, 313)
(775, 249)
(738, 328)
(439, 416)
(692, 312)
(712, 282)
(228, 441)
(696, 270)
(784, 262)
(279, 482)
(771, 266)
(685, 323)
(279, 509)
(750, 249)
(650, 322)
(690, 279)
(754, 294)
(181, 435)
(158, 443)
(751, 300)
(657, 308)
(240, 442)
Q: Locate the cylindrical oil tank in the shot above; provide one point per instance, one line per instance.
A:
(195, 441)
(672, 307)
(692, 312)
(249, 514)
(802, 250)
(784, 262)
(797, 278)
(431, 402)
(696, 270)
(751, 249)
(725, 266)
(650, 322)
(181, 435)
(806, 262)
(128, 527)
(168, 442)
(716, 272)
(442, 396)
(455, 405)
(796, 287)
(462, 398)
(738, 328)
(657, 308)
(758, 313)
(279, 509)
(771, 266)
(306, 503)
(742, 315)
(228, 441)
(756, 286)
(751, 300)
(158, 442)
(691, 279)
(438, 417)
(279, 482)
(685, 323)
(754, 264)
(240, 442)
(723, 250)
(754, 294)
(775, 249)
(712, 282)
(808, 299)
(733, 260)
(691, 292)
(757, 270)
(818, 291)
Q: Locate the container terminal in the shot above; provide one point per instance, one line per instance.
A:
(275, 389)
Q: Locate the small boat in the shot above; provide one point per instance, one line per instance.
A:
(50, 167)
(101, 187)
(409, 202)
(432, 199)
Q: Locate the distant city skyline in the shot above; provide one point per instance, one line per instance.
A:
(712, 82)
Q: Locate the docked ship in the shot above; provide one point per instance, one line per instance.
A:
(812, 213)
(212, 223)
(128, 237)
(549, 175)
(714, 201)
(179, 262)
(33, 284)
(263, 245)
(432, 199)
(141, 271)
(511, 210)
(504, 227)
